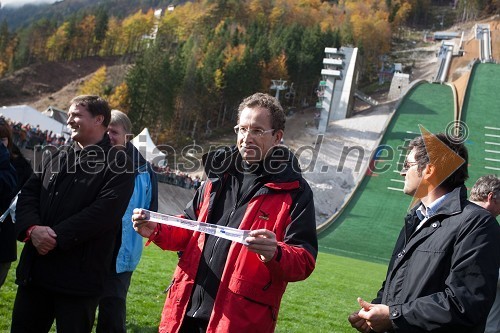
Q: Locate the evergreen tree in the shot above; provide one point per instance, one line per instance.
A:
(4, 36)
(101, 28)
(150, 90)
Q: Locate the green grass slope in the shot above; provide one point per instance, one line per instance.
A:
(481, 113)
(319, 304)
(369, 225)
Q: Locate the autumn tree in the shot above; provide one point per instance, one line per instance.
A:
(119, 99)
(399, 10)
(84, 38)
(32, 46)
(134, 29)
(4, 44)
(96, 85)
(371, 31)
(58, 43)
(111, 42)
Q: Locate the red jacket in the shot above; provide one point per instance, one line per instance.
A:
(250, 290)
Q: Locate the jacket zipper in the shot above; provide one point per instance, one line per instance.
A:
(238, 204)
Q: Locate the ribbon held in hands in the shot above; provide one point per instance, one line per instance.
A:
(232, 234)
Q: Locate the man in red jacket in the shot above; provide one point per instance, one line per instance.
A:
(224, 286)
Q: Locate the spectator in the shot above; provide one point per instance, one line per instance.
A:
(220, 286)
(444, 269)
(112, 305)
(69, 215)
(486, 193)
(8, 184)
(8, 246)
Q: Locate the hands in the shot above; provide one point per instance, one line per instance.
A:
(358, 323)
(43, 238)
(371, 317)
(143, 227)
(263, 242)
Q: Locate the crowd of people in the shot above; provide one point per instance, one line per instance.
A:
(177, 177)
(28, 136)
(82, 218)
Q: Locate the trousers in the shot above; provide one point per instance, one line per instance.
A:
(113, 304)
(36, 308)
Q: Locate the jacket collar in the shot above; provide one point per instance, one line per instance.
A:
(280, 166)
(452, 204)
(104, 144)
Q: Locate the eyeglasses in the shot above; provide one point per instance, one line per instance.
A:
(407, 165)
(254, 132)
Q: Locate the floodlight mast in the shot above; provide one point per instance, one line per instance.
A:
(278, 85)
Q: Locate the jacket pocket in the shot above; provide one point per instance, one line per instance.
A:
(259, 291)
(245, 314)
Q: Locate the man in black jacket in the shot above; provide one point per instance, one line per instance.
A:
(8, 184)
(68, 215)
(486, 193)
(443, 272)
(22, 168)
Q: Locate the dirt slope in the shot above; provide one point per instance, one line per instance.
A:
(38, 84)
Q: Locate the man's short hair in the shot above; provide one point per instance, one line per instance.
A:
(483, 186)
(268, 102)
(96, 105)
(121, 119)
(425, 148)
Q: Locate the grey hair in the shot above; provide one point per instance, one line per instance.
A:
(121, 119)
(483, 186)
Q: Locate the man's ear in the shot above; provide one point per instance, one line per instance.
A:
(279, 136)
(490, 198)
(429, 171)
(99, 119)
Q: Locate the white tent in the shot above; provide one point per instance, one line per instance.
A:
(56, 114)
(147, 148)
(27, 115)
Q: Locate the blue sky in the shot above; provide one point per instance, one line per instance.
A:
(23, 2)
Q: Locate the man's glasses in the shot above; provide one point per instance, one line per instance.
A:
(407, 165)
(252, 131)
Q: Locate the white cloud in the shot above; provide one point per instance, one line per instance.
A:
(18, 3)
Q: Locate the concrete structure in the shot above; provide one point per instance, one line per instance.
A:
(483, 34)
(440, 35)
(399, 85)
(445, 54)
(336, 90)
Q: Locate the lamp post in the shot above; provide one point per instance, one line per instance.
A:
(278, 85)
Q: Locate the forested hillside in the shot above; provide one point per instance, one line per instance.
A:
(191, 65)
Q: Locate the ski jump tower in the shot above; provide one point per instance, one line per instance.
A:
(483, 34)
(336, 90)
